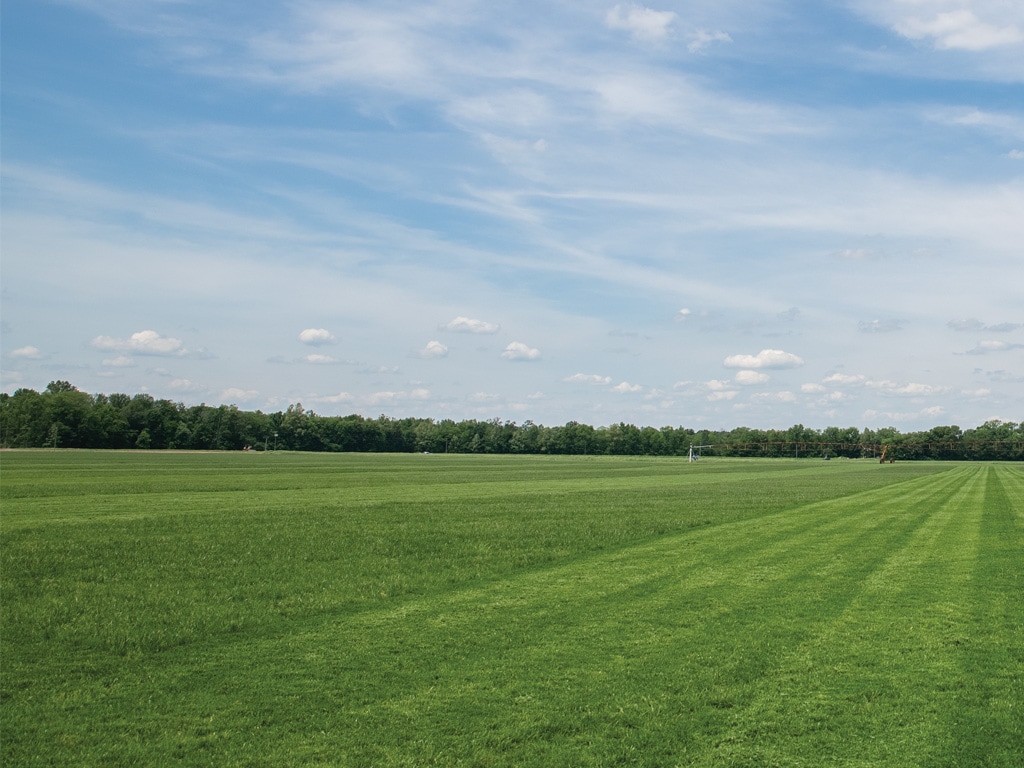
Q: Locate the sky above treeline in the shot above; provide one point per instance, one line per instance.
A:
(711, 213)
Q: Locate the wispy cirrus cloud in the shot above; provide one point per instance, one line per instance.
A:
(959, 29)
(992, 347)
(886, 325)
(977, 326)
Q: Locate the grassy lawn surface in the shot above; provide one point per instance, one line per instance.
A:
(348, 609)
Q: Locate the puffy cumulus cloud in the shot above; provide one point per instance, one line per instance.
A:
(749, 378)
(588, 378)
(641, 23)
(812, 388)
(701, 39)
(766, 358)
(316, 337)
(434, 349)
(625, 387)
(26, 353)
(516, 350)
(484, 397)
(880, 326)
(184, 385)
(469, 325)
(720, 390)
(232, 394)
(959, 29)
(317, 359)
(141, 343)
(420, 393)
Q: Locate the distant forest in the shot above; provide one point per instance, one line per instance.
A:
(63, 417)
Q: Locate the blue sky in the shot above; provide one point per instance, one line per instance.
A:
(704, 213)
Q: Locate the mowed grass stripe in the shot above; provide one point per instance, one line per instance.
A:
(873, 685)
(987, 717)
(718, 646)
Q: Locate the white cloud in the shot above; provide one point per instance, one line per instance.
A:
(701, 39)
(811, 388)
(420, 394)
(384, 397)
(121, 361)
(748, 378)
(141, 343)
(234, 393)
(642, 23)
(987, 347)
(519, 351)
(766, 358)
(720, 390)
(27, 353)
(972, 324)
(880, 326)
(722, 395)
(1016, 154)
(469, 325)
(316, 336)
(320, 359)
(960, 29)
(589, 378)
(779, 397)
(912, 389)
(843, 378)
(341, 397)
(683, 314)
(434, 349)
(626, 387)
(184, 385)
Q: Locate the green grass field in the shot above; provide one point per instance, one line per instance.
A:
(406, 610)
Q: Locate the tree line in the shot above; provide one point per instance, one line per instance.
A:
(61, 416)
